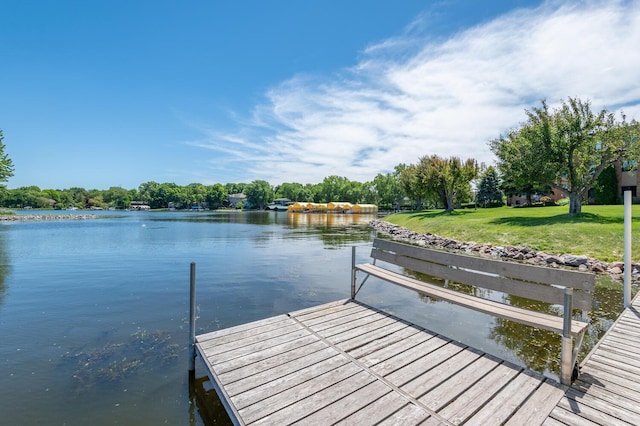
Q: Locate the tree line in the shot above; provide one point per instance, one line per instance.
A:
(386, 191)
(570, 149)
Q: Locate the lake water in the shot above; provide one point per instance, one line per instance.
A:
(94, 313)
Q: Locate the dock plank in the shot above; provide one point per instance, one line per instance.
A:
(324, 309)
(448, 391)
(294, 395)
(371, 336)
(377, 411)
(537, 408)
(420, 359)
(607, 389)
(591, 414)
(347, 405)
(338, 334)
(216, 358)
(332, 312)
(383, 342)
(615, 407)
(410, 343)
(288, 381)
(567, 417)
(429, 379)
(280, 371)
(260, 354)
(409, 415)
(240, 328)
(250, 338)
(282, 358)
(318, 401)
(343, 338)
(338, 304)
(476, 396)
(339, 322)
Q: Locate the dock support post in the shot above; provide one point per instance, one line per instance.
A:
(566, 367)
(353, 272)
(192, 322)
(627, 249)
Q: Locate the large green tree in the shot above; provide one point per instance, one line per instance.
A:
(387, 190)
(566, 148)
(410, 184)
(216, 194)
(117, 197)
(332, 189)
(293, 191)
(194, 195)
(6, 165)
(259, 193)
(520, 160)
(448, 177)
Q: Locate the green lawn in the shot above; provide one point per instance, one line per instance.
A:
(598, 232)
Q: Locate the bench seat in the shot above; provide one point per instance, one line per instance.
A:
(553, 286)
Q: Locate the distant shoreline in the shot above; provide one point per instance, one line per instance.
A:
(45, 217)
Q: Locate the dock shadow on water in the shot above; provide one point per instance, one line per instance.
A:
(205, 404)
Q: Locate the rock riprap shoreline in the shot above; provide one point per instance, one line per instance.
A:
(43, 217)
(517, 253)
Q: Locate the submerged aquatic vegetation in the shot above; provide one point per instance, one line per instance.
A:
(113, 362)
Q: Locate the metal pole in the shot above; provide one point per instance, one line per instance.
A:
(566, 367)
(627, 248)
(353, 272)
(192, 321)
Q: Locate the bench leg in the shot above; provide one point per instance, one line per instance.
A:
(353, 272)
(566, 361)
(566, 366)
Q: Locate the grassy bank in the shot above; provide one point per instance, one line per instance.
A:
(598, 232)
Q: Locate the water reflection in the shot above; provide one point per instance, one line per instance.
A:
(335, 230)
(4, 263)
(538, 349)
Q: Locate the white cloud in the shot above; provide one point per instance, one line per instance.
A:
(408, 97)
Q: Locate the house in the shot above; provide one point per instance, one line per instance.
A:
(234, 199)
(628, 178)
(139, 205)
(520, 200)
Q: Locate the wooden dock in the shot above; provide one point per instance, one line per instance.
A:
(348, 363)
(607, 391)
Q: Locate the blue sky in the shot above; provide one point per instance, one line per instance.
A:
(117, 93)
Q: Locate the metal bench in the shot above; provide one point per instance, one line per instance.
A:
(571, 289)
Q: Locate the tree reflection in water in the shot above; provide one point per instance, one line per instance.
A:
(540, 349)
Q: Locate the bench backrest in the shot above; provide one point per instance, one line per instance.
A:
(528, 281)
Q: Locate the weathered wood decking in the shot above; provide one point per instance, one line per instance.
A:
(348, 363)
(607, 391)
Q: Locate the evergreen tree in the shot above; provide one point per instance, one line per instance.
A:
(489, 193)
(606, 187)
